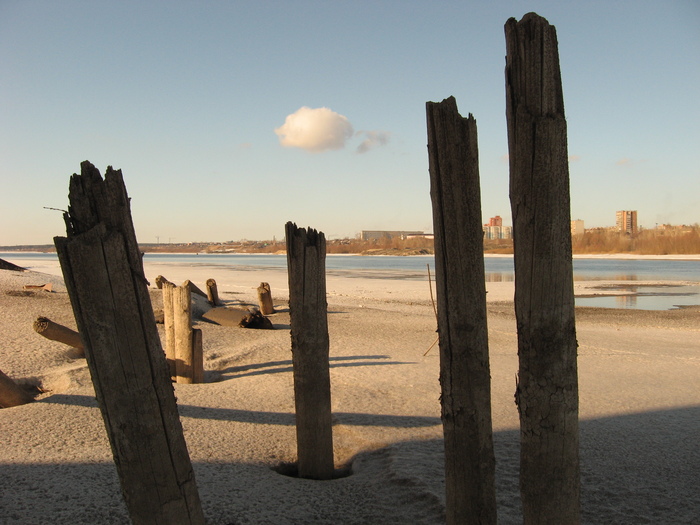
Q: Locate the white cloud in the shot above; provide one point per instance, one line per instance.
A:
(315, 130)
(373, 139)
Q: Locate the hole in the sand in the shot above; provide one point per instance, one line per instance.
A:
(291, 470)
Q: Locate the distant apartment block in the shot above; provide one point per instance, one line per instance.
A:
(494, 229)
(577, 228)
(374, 235)
(626, 221)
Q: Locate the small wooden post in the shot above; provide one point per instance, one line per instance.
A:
(461, 292)
(103, 272)
(213, 293)
(306, 255)
(57, 332)
(168, 289)
(11, 395)
(182, 323)
(197, 356)
(160, 280)
(547, 390)
(265, 299)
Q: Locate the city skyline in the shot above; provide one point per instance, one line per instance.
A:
(228, 120)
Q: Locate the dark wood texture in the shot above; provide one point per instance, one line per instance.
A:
(306, 262)
(461, 297)
(102, 269)
(547, 391)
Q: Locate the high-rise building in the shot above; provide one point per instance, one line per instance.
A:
(496, 221)
(626, 221)
(577, 227)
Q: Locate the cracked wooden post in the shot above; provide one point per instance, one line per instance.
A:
(182, 327)
(265, 299)
(168, 290)
(103, 272)
(461, 297)
(213, 293)
(547, 390)
(306, 261)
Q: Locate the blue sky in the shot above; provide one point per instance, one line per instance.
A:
(200, 105)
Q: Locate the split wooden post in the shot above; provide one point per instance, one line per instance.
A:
(265, 299)
(57, 332)
(461, 296)
(547, 390)
(213, 293)
(11, 394)
(306, 256)
(103, 272)
(182, 325)
(168, 289)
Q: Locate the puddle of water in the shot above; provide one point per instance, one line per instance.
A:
(645, 297)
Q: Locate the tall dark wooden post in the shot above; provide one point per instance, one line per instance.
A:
(104, 276)
(547, 391)
(306, 266)
(462, 328)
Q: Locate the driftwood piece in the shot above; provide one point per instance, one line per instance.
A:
(57, 332)
(103, 272)
(461, 294)
(256, 320)
(547, 389)
(194, 288)
(48, 287)
(306, 256)
(11, 394)
(213, 293)
(160, 280)
(6, 265)
(265, 299)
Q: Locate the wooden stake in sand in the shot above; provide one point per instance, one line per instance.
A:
(12, 395)
(183, 344)
(57, 332)
(103, 272)
(213, 293)
(461, 294)
(265, 299)
(547, 390)
(306, 256)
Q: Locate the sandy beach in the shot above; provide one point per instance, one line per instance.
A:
(639, 373)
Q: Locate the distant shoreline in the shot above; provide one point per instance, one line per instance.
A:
(609, 256)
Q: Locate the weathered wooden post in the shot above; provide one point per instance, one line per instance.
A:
(462, 328)
(213, 293)
(11, 394)
(168, 290)
(57, 332)
(103, 272)
(306, 256)
(182, 327)
(265, 299)
(547, 390)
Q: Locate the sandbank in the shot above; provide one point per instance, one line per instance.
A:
(639, 408)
